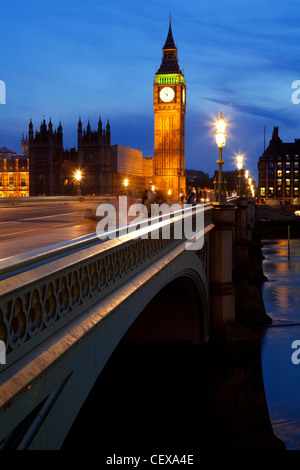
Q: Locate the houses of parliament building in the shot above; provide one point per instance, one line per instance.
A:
(104, 168)
(51, 170)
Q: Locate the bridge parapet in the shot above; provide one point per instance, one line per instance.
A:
(42, 295)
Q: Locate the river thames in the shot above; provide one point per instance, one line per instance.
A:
(281, 295)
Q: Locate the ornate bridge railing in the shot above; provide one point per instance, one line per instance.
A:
(43, 291)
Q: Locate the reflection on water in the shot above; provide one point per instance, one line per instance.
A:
(282, 301)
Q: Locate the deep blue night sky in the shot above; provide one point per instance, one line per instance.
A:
(65, 59)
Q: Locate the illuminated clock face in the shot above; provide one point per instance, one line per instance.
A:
(167, 94)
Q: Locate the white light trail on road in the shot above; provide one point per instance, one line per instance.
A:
(48, 216)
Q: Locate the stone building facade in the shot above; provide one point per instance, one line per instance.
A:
(53, 169)
(46, 155)
(278, 172)
(103, 167)
(14, 174)
(94, 159)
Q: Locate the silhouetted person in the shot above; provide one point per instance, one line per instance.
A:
(144, 196)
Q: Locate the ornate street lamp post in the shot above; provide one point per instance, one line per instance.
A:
(249, 180)
(240, 166)
(220, 186)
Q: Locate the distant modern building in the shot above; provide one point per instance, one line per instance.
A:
(131, 172)
(278, 172)
(14, 174)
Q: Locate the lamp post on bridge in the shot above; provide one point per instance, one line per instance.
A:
(240, 166)
(220, 185)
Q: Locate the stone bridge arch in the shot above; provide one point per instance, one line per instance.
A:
(172, 325)
(86, 344)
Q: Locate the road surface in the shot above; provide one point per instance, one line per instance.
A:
(29, 227)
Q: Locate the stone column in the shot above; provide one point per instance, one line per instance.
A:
(241, 237)
(250, 218)
(248, 275)
(222, 294)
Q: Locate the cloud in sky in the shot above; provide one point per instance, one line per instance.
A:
(69, 59)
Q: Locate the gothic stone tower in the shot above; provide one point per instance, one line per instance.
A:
(46, 151)
(169, 123)
(94, 159)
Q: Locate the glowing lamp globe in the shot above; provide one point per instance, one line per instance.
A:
(220, 133)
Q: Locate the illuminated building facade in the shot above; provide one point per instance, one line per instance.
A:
(131, 172)
(14, 174)
(169, 99)
(278, 172)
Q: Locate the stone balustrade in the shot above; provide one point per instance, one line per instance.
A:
(42, 293)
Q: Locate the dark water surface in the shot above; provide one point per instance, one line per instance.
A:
(281, 295)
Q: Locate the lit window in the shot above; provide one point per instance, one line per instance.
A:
(288, 182)
(262, 191)
(279, 173)
(279, 182)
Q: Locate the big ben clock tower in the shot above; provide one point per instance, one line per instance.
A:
(169, 123)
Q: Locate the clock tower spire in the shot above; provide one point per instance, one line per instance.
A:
(169, 122)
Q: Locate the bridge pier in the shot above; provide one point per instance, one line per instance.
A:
(248, 274)
(222, 293)
(242, 235)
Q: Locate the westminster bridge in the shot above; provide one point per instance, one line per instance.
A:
(65, 309)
